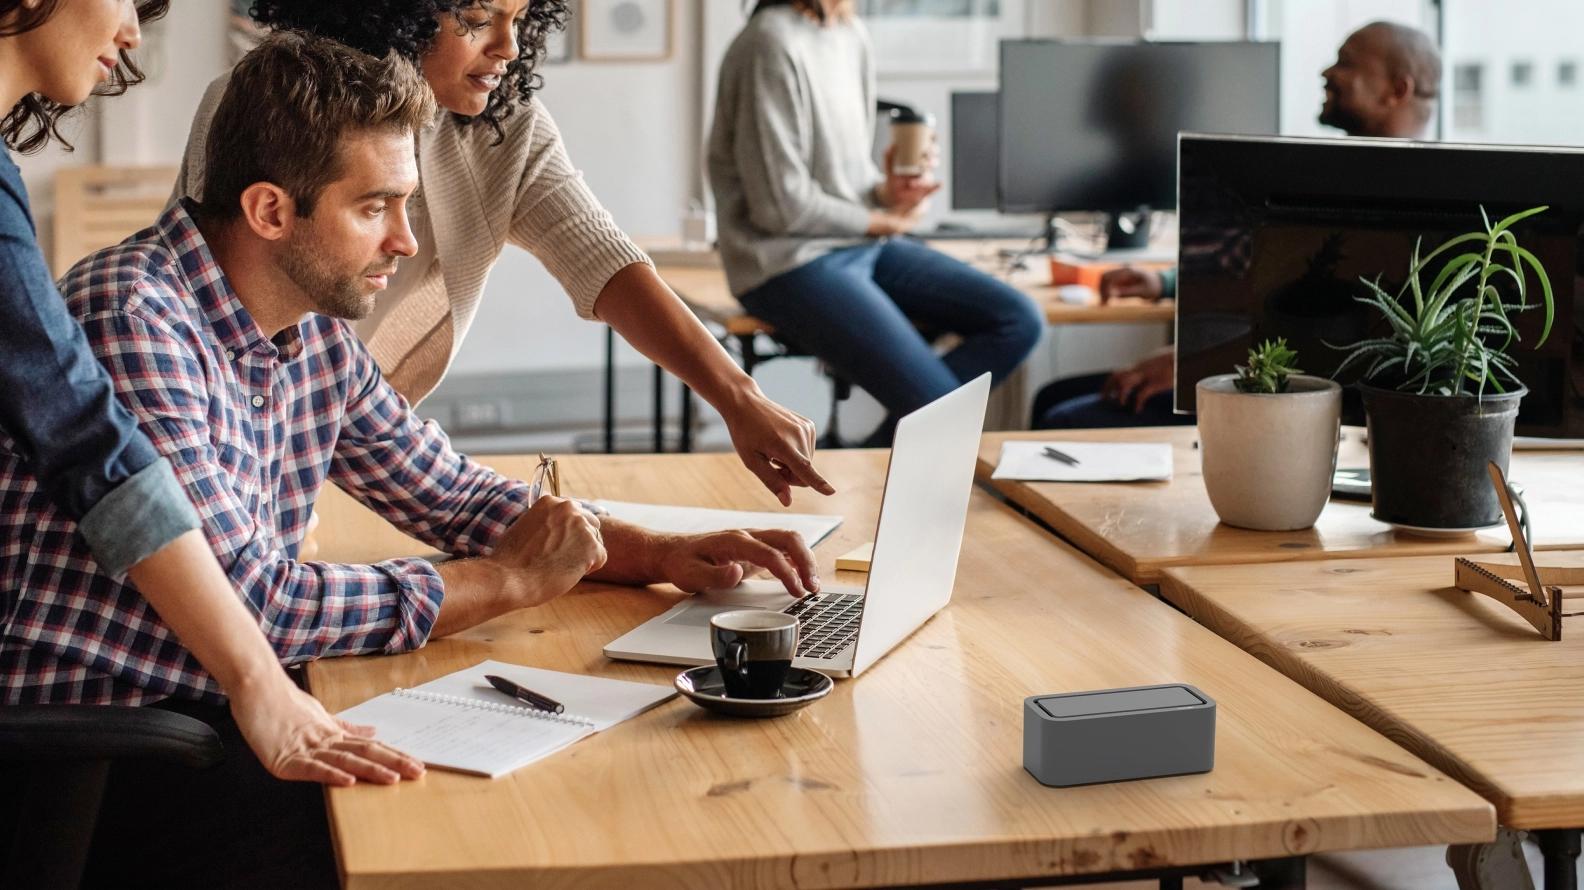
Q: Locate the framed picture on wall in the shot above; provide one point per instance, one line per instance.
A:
(940, 36)
(558, 44)
(624, 30)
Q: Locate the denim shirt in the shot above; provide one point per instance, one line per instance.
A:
(58, 409)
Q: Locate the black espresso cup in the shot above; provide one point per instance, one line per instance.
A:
(753, 649)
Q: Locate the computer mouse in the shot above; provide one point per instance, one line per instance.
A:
(1076, 294)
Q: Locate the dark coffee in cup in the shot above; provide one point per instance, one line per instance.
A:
(753, 649)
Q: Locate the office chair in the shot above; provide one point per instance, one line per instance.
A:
(54, 760)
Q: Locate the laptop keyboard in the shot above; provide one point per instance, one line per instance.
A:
(827, 624)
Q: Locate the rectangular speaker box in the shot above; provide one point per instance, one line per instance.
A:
(1112, 735)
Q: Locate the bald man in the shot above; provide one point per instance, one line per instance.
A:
(1384, 82)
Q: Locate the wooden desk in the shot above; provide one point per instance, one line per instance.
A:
(910, 774)
(1458, 679)
(1141, 529)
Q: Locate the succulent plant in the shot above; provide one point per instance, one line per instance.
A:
(1268, 366)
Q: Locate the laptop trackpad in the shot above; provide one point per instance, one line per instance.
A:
(751, 594)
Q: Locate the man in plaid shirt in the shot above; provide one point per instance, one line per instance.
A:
(223, 328)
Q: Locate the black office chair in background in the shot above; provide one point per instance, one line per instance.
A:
(54, 760)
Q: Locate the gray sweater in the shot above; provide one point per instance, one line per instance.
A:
(789, 153)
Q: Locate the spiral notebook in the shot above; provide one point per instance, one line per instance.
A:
(459, 722)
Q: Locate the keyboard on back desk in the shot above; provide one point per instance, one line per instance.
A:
(827, 624)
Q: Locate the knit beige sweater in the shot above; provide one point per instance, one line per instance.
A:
(473, 199)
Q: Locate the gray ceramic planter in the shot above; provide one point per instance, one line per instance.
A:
(1268, 459)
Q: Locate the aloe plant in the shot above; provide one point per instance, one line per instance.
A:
(1448, 343)
(1268, 366)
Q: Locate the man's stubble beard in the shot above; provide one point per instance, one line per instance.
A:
(333, 294)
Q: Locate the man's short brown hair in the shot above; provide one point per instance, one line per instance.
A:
(288, 105)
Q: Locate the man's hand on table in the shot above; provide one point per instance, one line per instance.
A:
(722, 559)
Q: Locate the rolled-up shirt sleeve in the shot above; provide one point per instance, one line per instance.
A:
(307, 610)
(58, 409)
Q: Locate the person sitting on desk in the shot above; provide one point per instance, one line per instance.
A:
(806, 219)
(1383, 83)
(224, 330)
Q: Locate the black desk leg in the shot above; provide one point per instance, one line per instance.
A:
(1171, 883)
(687, 419)
(1561, 849)
(610, 390)
(659, 409)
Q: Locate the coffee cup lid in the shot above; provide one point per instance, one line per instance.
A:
(911, 116)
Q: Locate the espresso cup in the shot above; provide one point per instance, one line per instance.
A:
(910, 139)
(753, 649)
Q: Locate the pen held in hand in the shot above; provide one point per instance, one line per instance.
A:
(525, 695)
(1062, 456)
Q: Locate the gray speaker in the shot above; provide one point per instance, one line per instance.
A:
(1111, 735)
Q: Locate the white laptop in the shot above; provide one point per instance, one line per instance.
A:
(845, 630)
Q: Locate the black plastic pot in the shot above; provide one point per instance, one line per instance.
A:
(1428, 456)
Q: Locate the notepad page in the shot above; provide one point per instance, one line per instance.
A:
(480, 740)
(603, 701)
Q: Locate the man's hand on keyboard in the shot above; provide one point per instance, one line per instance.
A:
(722, 559)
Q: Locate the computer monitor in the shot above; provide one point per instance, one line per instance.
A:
(1092, 125)
(1274, 235)
(975, 147)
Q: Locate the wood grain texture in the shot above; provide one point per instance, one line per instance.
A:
(1142, 528)
(1461, 680)
(704, 289)
(910, 774)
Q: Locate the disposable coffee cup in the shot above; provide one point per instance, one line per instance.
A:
(753, 650)
(911, 132)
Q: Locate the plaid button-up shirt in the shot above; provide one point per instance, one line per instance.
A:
(254, 427)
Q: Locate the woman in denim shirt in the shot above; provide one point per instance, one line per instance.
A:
(58, 408)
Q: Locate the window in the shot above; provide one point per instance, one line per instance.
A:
(1468, 97)
(1515, 100)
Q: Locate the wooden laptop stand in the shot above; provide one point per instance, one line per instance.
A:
(1548, 587)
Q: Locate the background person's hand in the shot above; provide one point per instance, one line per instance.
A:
(297, 740)
(1133, 387)
(722, 559)
(554, 545)
(1130, 282)
(775, 444)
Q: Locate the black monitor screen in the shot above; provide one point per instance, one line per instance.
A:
(1275, 235)
(1093, 125)
(975, 146)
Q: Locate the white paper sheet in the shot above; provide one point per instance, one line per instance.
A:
(702, 520)
(1097, 462)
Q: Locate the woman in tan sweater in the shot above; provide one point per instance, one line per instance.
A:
(493, 171)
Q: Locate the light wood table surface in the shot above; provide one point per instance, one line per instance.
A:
(703, 288)
(1461, 680)
(910, 774)
(1142, 528)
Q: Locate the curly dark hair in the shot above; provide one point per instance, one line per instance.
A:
(34, 121)
(409, 27)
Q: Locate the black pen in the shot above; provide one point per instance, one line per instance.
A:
(525, 695)
(1062, 456)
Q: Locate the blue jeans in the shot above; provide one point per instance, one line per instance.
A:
(860, 310)
(1075, 403)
